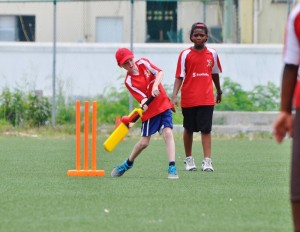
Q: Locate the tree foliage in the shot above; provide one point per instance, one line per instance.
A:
(261, 98)
(20, 109)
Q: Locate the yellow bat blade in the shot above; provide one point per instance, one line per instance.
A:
(121, 131)
(116, 137)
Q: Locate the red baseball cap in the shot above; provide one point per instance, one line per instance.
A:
(122, 55)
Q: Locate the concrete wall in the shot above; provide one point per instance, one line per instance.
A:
(88, 69)
(190, 12)
(246, 21)
(236, 123)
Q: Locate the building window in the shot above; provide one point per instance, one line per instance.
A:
(17, 28)
(162, 21)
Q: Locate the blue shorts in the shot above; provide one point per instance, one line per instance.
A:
(157, 123)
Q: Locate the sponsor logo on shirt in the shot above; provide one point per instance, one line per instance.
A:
(147, 73)
(200, 74)
(209, 63)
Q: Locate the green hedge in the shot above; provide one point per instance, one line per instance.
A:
(20, 109)
(26, 109)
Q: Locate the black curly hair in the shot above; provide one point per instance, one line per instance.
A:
(198, 25)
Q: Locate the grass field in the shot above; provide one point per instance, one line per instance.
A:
(249, 190)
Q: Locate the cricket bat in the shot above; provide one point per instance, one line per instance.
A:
(122, 130)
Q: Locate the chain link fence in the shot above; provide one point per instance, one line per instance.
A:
(78, 31)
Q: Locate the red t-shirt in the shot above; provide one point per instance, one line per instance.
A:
(291, 53)
(140, 87)
(196, 69)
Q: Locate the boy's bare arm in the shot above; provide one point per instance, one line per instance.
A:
(177, 85)
(216, 81)
(289, 79)
(158, 79)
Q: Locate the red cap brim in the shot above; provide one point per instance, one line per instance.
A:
(125, 58)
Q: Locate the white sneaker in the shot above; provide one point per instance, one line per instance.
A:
(207, 165)
(189, 163)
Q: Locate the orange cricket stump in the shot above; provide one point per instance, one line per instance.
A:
(86, 171)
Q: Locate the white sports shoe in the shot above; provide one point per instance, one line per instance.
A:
(189, 163)
(207, 165)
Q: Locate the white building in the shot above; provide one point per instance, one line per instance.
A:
(107, 21)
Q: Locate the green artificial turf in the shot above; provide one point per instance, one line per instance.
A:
(249, 190)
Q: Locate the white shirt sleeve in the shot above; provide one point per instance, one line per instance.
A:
(291, 53)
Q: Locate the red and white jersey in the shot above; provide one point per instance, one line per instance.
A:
(140, 87)
(196, 69)
(291, 52)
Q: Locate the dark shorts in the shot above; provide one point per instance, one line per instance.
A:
(295, 170)
(157, 123)
(198, 118)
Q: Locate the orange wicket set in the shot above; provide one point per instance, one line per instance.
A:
(86, 171)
